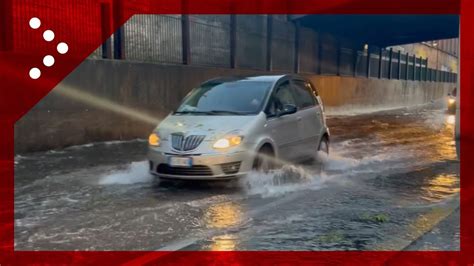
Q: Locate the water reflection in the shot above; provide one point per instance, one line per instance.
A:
(432, 140)
(441, 187)
(224, 243)
(223, 215)
(445, 147)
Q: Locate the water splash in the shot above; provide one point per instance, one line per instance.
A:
(136, 172)
(289, 178)
(326, 170)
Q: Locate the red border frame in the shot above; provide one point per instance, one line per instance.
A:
(19, 93)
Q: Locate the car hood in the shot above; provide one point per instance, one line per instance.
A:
(211, 126)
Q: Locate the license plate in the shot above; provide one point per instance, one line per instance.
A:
(180, 161)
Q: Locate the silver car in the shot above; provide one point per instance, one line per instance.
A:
(229, 126)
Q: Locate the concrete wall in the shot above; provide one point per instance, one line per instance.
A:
(342, 95)
(61, 120)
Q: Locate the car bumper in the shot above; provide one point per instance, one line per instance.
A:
(204, 166)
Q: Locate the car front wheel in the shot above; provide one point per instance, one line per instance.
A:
(264, 161)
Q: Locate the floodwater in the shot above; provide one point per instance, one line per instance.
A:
(390, 178)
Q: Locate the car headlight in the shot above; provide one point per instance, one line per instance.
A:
(154, 140)
(227, 142)
(451, 101)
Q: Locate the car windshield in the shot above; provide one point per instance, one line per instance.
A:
(242, 97)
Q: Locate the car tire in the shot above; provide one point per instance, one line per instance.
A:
(264, 161)
(322, 147)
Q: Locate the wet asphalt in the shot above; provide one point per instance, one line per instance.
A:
(391, 177)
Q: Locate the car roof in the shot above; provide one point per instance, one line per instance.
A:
(269, 78)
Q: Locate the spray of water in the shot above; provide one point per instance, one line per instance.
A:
(136, 172)
(102, 103)
(286, 177)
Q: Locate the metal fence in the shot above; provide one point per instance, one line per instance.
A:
(283, 45)
(308, 51)
(251, 35)
(210, 40)
(149, 38)
(259, 42)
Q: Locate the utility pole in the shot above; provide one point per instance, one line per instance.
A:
(437, 62)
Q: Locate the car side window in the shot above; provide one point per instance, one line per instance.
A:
(280, 98)
(304, 95)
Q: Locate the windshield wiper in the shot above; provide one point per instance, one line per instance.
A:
(229, 112)
(191, 112)
(213, 112)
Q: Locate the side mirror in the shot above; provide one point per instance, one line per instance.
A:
(288, 109)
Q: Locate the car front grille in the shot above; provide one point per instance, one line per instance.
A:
(230, 168)
(181, 143)
(195, 170)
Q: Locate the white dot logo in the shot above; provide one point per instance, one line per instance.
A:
(48, 35)
(48, 60)
(62, 48)
(35, 23)
(35, 73)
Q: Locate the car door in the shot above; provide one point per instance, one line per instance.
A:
(283, 129)
(309, 117)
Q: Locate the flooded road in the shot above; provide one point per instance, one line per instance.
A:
(390, 178)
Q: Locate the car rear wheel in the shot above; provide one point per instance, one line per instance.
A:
(264, 161)
(322, 154)
(324, 145)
